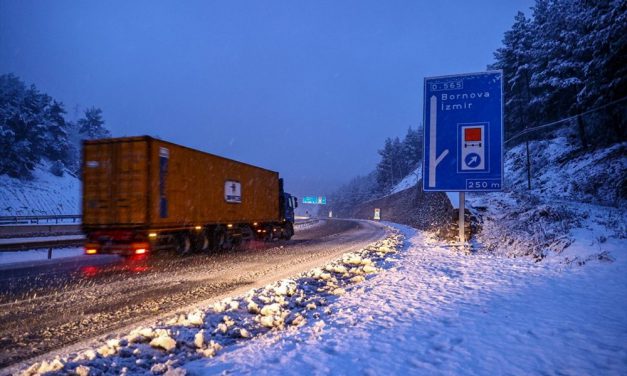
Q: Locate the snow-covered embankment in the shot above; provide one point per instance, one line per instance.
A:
(44, 194)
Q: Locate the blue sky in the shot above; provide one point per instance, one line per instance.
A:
(307, 88)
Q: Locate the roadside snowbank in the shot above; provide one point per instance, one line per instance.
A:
(446, 312)
(518, 224)
(308, 224)
(283, 306)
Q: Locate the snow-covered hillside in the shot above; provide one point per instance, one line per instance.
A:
(409, 181)
(561, 169)
(45, 194)
(575, 193)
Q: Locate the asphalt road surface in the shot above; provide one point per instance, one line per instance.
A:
(49, 306)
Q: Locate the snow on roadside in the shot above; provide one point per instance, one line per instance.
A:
(310, 223)
(565, 217)
(284, 306)
(446, 312)
(518, 224)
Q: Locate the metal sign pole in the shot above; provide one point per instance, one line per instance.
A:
(462, 209)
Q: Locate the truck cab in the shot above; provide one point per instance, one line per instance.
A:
(291, 203)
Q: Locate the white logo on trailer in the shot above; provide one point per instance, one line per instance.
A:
(232, 191)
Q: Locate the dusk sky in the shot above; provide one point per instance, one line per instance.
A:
(309, 89)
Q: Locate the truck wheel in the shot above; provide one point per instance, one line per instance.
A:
(268, 234)
(247, 236)
(218, 239)
(183, 244)
(202, 242)
(287, 232)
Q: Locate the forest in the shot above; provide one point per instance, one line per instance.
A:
(35, 126)
(568, 58)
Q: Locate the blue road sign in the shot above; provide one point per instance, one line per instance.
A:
(463, 132)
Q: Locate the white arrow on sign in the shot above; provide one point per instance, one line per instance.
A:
(433, 161)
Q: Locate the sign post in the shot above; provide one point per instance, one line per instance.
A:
(462, 209)
(463, 139)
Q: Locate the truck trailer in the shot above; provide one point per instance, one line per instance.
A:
(141, 194)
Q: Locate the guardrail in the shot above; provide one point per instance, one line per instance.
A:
(24, 219)
(41, 243)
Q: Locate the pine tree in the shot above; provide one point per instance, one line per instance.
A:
(412, 148)
(92, 125)
(514, 59)
(399, 161)
(570, 57)
(603, 48)
(33, 126)
(557, 72)
(385, 167)
(57, 146)
(20, 127)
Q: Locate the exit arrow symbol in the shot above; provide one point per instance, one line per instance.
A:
(433, 160)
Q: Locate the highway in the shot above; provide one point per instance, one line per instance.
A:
(47, 306)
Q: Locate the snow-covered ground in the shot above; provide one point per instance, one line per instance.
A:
(519, 224)
(440, 311)
(45, 194)
(409, 181)
(560, 169)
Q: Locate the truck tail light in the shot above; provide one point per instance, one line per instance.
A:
(91, 249)
(140, 248)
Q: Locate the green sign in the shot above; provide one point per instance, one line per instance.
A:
(314, 200)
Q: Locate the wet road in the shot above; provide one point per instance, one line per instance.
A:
(46, 307)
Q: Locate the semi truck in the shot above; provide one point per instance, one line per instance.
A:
(142, 194)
